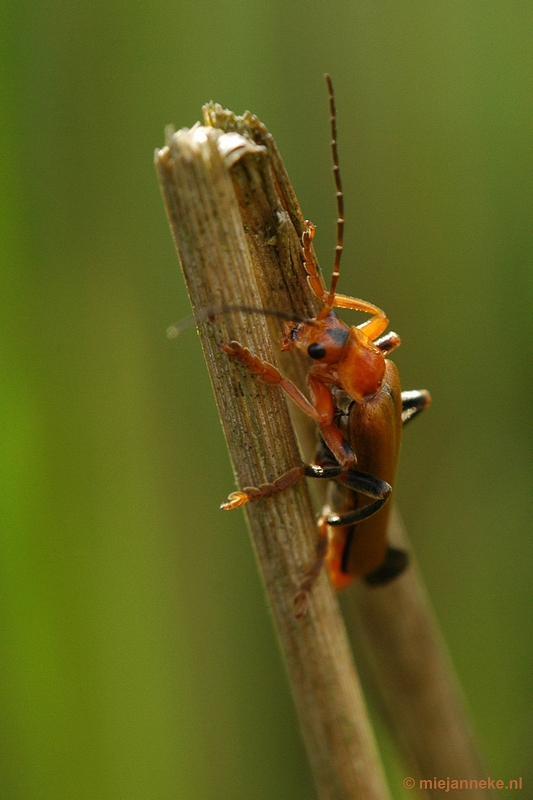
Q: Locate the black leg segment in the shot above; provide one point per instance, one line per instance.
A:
(329, 472)
(394, 564)
(365, 484)
(413, 403)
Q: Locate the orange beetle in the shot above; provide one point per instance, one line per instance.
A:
(358, 405)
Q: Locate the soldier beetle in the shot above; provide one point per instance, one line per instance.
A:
(359, 408)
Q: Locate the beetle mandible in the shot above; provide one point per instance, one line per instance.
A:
(359, 408)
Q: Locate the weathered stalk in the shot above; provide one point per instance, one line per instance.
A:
(237, 230)
(412, 678)
(237, 227)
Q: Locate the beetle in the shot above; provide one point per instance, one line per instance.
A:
(359, 408)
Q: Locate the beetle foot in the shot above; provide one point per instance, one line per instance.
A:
(301, 603)
(235, 500)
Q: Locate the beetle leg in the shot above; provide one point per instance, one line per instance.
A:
(301, 599)
(372, 327)
(285, 481)
(395, 562)
(335, 440)
(365, 484)
(314, 278)
(321, 409)
(413, 403)
(329, 472)
(237, 499)
(270, 374)
(388, 343)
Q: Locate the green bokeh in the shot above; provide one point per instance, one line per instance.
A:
(137, 657)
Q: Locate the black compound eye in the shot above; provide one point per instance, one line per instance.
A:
(316, 350)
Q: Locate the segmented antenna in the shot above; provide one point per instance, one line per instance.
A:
(210, 313)
(339, 195)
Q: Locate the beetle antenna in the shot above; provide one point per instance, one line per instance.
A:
(214, 311)
(174, 331)
(339, 195)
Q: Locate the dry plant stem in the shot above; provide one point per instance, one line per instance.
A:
(237, 233)
(411, 671)
(413, 679)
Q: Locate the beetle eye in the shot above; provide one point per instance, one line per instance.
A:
(316, 350)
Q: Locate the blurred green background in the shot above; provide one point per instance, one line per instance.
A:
(137, 657)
